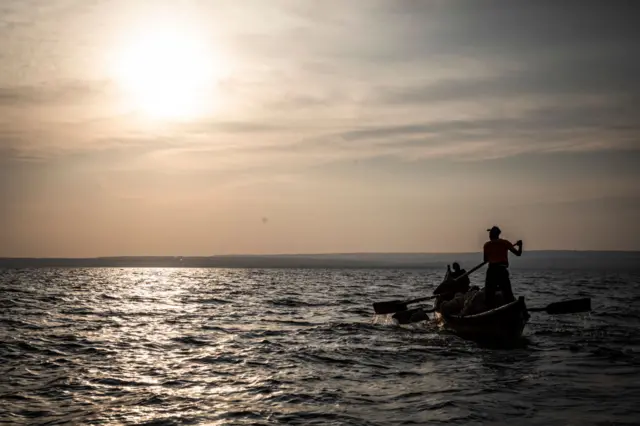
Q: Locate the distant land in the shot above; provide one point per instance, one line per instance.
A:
(601, 260)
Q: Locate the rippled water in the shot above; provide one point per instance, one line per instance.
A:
(211, 346)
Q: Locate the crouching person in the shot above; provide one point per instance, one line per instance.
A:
(455, 281)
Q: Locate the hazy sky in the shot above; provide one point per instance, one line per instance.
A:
(199, 127)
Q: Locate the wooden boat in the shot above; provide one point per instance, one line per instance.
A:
(502, 324)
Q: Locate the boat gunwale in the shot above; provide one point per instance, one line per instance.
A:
(483, 315)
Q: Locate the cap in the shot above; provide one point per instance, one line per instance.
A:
(495, 230)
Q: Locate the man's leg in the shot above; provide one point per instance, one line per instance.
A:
(490, 287)
(505, 286)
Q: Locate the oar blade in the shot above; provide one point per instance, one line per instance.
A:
(411, 316)
(569, 306)
(383, 308)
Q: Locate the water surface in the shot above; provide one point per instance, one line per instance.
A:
(236, 346)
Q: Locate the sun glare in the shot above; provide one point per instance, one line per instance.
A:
(168, 74)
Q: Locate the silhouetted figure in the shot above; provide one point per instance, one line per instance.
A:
(496, 254)
(461, 285)
(448, 288)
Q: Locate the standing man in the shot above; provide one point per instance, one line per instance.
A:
(496, 254)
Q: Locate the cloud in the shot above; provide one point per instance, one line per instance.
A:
(320, 83)
(612, 203)
(12, 150)
(549, 119)
(539, 130)
(558, 81)
(56, 93)
(231, 127)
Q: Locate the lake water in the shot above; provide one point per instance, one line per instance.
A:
(236, 346)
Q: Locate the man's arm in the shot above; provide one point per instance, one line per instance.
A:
(518, 251)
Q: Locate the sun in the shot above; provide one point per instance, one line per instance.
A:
(168, 74)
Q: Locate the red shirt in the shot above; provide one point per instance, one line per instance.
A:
(497, 251)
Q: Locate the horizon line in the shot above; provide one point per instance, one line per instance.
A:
(306, 254)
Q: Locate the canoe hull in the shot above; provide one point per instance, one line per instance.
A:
(505, 323)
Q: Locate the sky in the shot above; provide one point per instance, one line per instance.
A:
(130, 127)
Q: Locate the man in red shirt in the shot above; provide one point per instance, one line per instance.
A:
(496, 254)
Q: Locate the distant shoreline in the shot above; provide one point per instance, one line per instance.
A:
(547, 259)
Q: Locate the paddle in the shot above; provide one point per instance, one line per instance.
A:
(556, 308)
(391, 306)
(412, 315)
(565, 307)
